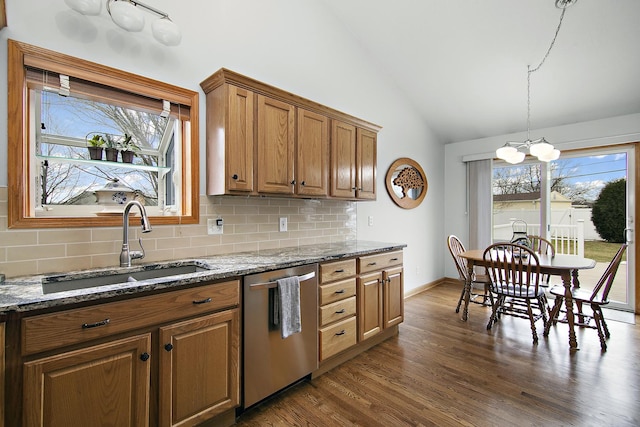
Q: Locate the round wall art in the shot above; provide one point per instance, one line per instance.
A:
(406, 183)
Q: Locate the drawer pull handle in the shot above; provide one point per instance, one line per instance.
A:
(144, 356)
(394, 259)
(342, 332)
(95, 325)
(203, 301)
(168, 347)
(341, 291)
(340, 311)
(372, 263)
(339, 271)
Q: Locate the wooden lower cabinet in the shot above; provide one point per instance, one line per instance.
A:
(380, 293)
(101, 385)
(168, 359)
(199, 368)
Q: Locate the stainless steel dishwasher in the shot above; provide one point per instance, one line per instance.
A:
(271, 363)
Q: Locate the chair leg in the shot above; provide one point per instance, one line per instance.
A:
(533, 323)
(553, 316)
(597, 317)
(544, 306)
(460, 300)
(580, 314)
(494, 309)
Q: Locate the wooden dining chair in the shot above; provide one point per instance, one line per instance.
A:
(542, 246)
(514, 271)
(595, 298)
(455, 249)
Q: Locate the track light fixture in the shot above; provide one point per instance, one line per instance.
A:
(127, 14)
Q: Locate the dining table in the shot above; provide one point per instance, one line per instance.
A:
(563, 265)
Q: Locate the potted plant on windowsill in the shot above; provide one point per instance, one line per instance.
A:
(128, 149)
(95, 146)
(111, 148)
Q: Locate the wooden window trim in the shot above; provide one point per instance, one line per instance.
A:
(21, 56)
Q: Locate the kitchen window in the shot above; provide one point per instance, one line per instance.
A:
(66, 102)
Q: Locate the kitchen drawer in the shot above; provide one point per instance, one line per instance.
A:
(54, 330)
(337, 291)
(379, 261)
(337, 337)
(338, 310)
(337, 270)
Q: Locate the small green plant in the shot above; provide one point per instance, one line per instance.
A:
(96, 141)
(110, 141)
(128, 145)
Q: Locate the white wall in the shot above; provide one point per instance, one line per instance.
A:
(294, 45)
(615, 130)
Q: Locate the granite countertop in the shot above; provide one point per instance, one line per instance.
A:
(26, 293)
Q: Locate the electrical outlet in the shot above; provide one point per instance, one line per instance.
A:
(370, 220)
(215, 226)
(283, 224)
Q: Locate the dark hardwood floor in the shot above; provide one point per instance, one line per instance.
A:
(444, 372)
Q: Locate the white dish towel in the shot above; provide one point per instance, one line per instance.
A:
(288, 300)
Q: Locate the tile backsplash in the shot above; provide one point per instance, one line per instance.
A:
(250, 223)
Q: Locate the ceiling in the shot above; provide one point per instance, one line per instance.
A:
(463, 63)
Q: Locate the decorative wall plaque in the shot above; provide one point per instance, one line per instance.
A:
(406, 183)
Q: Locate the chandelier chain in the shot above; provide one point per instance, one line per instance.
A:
(529, 71)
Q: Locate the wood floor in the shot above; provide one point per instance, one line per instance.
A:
(440, 371)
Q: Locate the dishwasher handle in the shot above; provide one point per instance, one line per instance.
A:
(274, 283)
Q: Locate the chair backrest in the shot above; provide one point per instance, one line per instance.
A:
(515, 266)
(541, 245)
(455, 249)
(601, 290)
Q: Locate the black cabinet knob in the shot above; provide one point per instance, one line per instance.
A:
(302, 183)
(234, 176)
(293, 182)
(168, 347)
(144, 356)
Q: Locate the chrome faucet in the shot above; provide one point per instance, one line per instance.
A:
(125, 255)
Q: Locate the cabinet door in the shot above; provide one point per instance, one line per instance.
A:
(393, 280)
(239, 140)
(199, 369)
(276, 138)
(312, 160)
(366, 164)
(369, 305)
(343, 160)
(106, 384)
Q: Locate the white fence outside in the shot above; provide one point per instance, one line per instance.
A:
(567, 239)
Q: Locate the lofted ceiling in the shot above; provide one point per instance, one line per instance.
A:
(463, 63)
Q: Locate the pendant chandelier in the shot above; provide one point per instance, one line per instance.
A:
(541, 148)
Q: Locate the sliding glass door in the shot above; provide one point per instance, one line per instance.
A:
(583, 202)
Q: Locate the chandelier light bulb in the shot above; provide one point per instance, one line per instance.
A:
(125, 15)
(85, 7)
(540, 148)
(506, 152)
(516, 157)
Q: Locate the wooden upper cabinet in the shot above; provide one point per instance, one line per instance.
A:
(263, 140)
(276, 145)
(230, 140)
(312, 160)
(343, 159)
(366, 164)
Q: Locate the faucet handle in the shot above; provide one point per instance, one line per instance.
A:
(138, 254)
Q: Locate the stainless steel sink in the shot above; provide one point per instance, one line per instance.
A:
(62, 283)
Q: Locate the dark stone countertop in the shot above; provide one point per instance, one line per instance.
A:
(26, 293)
